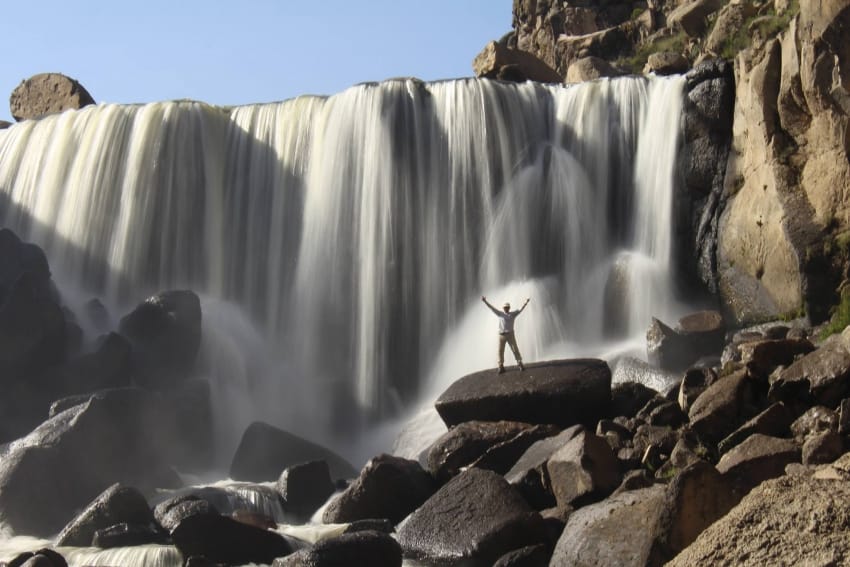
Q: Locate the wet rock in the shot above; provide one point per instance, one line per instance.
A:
(265, 451)
(222, 539)
(561, 393)
(696, 336)
(757, 459)
(47, 93)
(723, 406)
(305, 487)
(585, 468)
(529, 474)
(387, 487)
(468, 442)
(375, 549)
(116, 505)
(501, 457)
(375, 525)
(172, 511)
(475, 518)
(620, 531)
(44, 557)
(775, 421)
(109, 366)
(128, 535)
(74, 456)
(165, 331)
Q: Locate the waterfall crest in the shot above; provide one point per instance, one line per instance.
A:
(358, 231)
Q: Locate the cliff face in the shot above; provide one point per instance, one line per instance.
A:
(769, 225)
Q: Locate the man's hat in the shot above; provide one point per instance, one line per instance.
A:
(506, 305)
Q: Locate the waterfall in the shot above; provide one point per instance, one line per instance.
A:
(355, 233)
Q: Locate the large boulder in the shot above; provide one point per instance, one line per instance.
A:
(791, 520)
(724, 406)
(469, 442)
(74, 456)
(563, 393)
(47, 93)
(697, 335)
(757, 459)
(497, 61)
(474, 519)
(585, 468)
(620, 530)
(224, 540)
(116, 505)
(691, 16)
(822, 376)
(172, 511)
(387, 487)
(529, 474)
(590, 69)
(165, 331)
(305, 487)
(265, 451)
(372, 548)
(775, 421)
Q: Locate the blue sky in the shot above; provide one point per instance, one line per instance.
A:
(239, 52)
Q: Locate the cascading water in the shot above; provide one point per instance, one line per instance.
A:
(345, 241)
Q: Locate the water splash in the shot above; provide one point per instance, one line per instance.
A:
(354, 234)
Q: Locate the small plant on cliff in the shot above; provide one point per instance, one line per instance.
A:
(840, 315)
(763, 25)
(635, 63)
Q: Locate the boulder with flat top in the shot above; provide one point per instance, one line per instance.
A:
(559, 392)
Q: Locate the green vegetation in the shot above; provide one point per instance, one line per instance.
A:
(760, 25)
(840, 316)
(635, 63)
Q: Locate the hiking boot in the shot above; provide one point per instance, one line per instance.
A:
(501, 370)
(521, 366)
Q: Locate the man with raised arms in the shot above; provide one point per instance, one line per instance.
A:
(506, 331)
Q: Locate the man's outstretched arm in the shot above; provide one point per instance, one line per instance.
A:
(524, 305)
(487, 303)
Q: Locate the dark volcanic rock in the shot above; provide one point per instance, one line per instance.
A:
(627, 398)
(583, 468)
(225, 540)
(73, 457)
(265, 451)
(468, 442)
(474, 519)
(305, 487)
(774, 421)
(529, 474)
(375, 549)
(172, 511)
(165, 331)
(562, 393)
(387, 487)
(47, 93)
(128, 535)
(44, 557)
(116, 505)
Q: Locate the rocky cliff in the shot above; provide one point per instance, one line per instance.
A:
(767, 223)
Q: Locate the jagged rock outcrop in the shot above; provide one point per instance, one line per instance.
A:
(779, 248)
(47, 93)
(790, 520)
